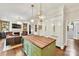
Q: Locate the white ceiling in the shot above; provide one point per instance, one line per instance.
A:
(9, 10)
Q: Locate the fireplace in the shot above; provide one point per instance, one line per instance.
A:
(17, 33)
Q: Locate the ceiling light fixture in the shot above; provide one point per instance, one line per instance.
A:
(32, 20)
(41, 16)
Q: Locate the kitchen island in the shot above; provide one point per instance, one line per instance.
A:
(34, 45)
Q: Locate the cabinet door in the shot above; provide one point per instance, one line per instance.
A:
(36, 51)
(28, 48)
(25, 46)
(49, 50)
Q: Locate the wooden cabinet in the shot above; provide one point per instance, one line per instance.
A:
(33, 50)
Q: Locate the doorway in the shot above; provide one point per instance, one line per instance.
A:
(70, 30)
(29, 29)
(72, 39)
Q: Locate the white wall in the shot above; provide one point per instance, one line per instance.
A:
(57, 19)
(15, 30)
(76, 29)
(62, 15)
(47, 29)
(71, 13)
(59, 27)
(21, 23)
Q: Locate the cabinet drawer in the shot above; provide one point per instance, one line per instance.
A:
(25, 46)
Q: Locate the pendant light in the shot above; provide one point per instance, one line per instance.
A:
(41, 15)
(32, 20)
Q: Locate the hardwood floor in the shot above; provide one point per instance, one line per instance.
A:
(13, 52)
(71, 50)
(59, 52)
(18, 52)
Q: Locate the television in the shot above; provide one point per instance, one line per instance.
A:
(16, 26)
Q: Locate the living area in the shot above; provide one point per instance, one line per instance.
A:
(10, 34)
(38, 29)
(29, 31)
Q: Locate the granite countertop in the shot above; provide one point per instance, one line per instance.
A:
(39, 41)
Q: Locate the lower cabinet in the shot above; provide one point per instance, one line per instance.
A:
(32, 50)
(36, 51)
(27, 47)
